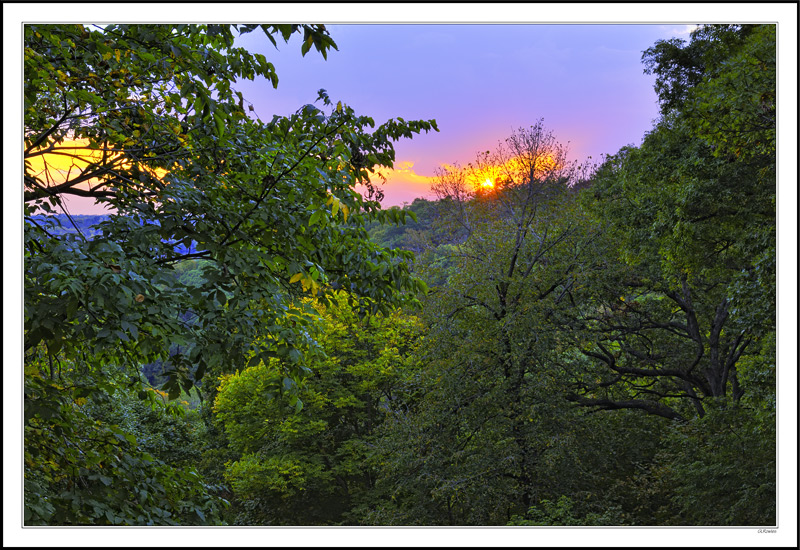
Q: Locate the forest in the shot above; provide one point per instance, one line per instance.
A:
(246, 339)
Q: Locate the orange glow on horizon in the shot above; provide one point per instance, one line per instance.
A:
(515, 169)
(70, 158)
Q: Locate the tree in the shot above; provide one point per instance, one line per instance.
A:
(678, 317)
(474, 450)
(265, 219)
(98, 454)
(145, 120)
(694, 225)
(679, 66)
(314, 466)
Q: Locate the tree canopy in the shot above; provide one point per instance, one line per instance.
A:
(163, 138)
(145, 119)
(693, 221)
(246, 339)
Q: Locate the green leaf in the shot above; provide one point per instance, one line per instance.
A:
(219, 120)
(306, 46)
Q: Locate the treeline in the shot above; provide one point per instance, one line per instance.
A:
(571, 346)
(86, 225)
(592, 350)
(90, 226)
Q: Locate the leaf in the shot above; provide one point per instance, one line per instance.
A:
(296, 277)
(220, 123)
(306, 46)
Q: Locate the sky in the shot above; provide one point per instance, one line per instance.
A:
(480, 82)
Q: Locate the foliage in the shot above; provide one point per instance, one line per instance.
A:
(95, 454)
(561, 513)
(653, 293)
(427, 229)
(145, 120)
(474, 449)
(716, 470)
(693, 289)
(594, 349)
(271, 206)
(311, 466)
(677, 317)
(679, 67)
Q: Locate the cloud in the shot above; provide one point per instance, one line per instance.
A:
(403, 172)
(684, 30)
(403, 184)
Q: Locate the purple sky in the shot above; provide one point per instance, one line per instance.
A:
(479, 81)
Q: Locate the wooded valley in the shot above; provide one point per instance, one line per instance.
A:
(246, 339)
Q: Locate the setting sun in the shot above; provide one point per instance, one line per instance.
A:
(488, 184)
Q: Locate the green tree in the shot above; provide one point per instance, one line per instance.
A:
(418, 234)
(561, 513)
(715, 470)
(692, 228)
(313, 466)
(677, 319)
(679, 66)
(97, 454)
(145, 120)
(474, 449)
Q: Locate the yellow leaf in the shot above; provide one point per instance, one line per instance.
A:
(345, 211)
(296, 277)
(339, 107)
(335, 208)
(116, 54)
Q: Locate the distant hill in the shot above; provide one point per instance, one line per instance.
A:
(416, 236)
(85, 223)
(427, 232)
(88, 225)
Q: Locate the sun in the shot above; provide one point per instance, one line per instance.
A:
(488, 184)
